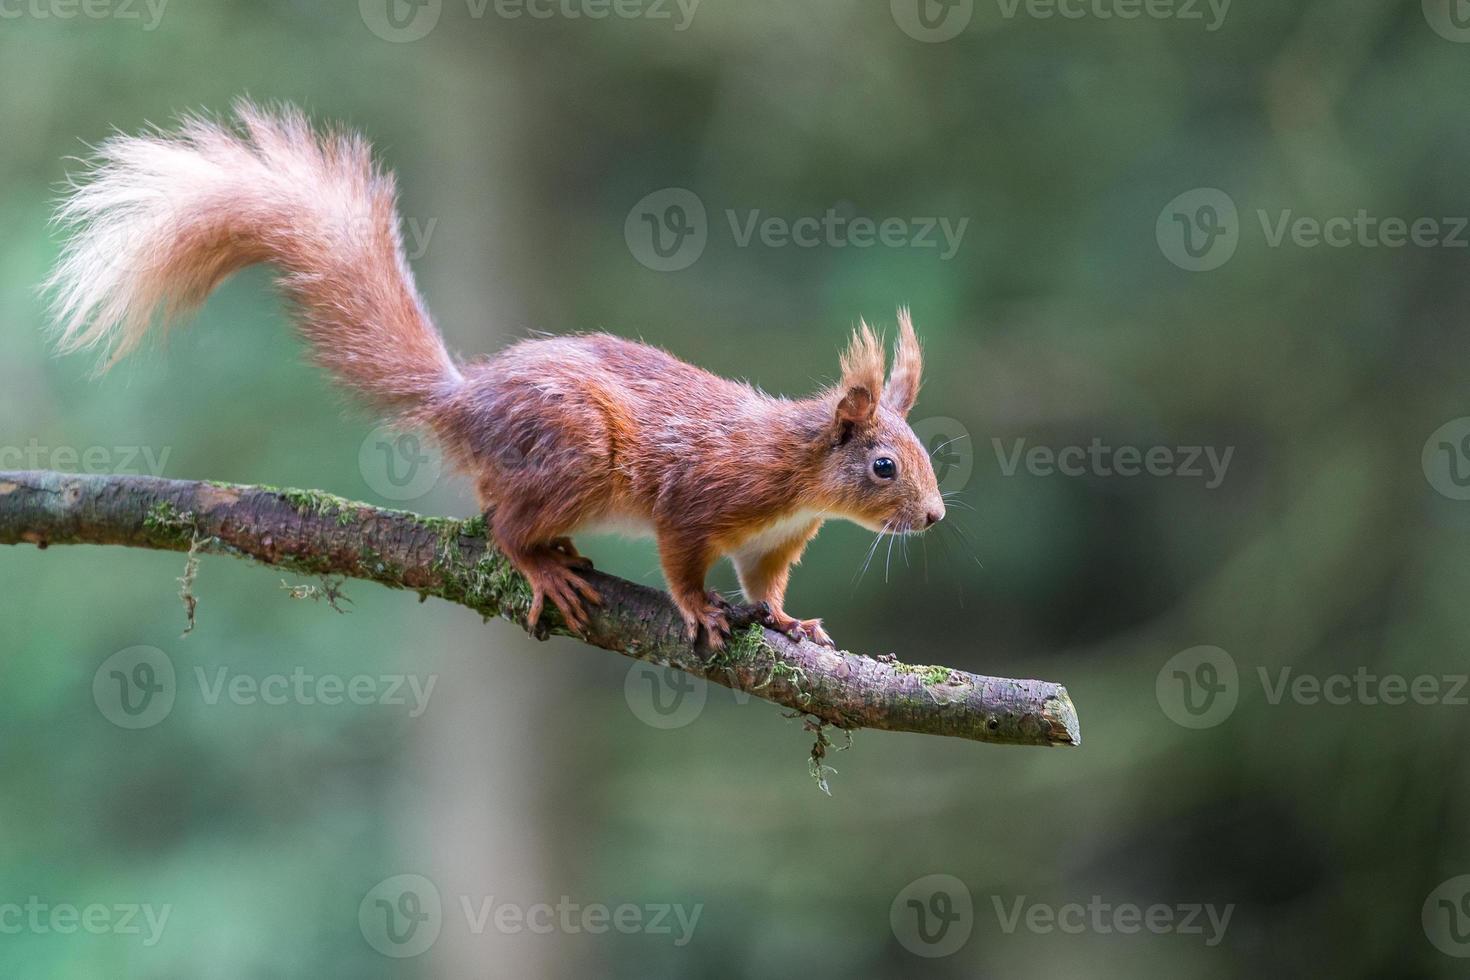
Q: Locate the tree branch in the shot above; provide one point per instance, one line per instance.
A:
(313, 533)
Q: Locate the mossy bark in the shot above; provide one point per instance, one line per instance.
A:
(319, 534)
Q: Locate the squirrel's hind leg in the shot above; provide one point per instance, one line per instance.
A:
(549, 562)
(574, 558)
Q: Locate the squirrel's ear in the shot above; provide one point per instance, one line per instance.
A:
(908, 367)
(855, 410)
(862, 382)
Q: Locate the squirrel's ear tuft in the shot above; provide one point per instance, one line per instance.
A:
(908, 367)
(862, 381)
(862, 362)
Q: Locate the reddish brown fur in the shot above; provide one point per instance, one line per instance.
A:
(560, 434)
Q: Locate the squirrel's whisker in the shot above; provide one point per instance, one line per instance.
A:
(969, 545)
(863, 569)
(947, 442)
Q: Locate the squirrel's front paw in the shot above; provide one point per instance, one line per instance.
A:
(712, 618)
(800, 629)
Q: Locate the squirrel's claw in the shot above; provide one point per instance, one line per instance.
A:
(811, 629)
(567, 590)
(713, 621)
(799, 629)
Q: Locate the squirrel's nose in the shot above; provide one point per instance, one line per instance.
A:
(934, 517)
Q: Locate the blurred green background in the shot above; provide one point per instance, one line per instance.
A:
(1072, 310)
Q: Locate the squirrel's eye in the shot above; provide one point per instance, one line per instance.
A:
(885, 468)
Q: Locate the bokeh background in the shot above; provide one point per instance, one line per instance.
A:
(1077, 152)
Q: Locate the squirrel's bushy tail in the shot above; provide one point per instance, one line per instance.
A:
(163, 219)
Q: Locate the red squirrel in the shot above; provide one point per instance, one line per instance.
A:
(560, 435)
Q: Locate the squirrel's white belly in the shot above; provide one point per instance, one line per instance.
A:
(777, 533)
(624, 525)
(760, 541)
